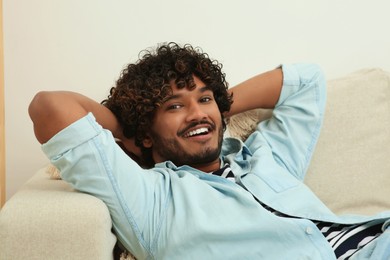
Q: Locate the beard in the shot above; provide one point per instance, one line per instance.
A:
(172, 150)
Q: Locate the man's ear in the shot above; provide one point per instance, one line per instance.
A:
(147, 142)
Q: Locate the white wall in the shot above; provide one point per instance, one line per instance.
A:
(83, 45)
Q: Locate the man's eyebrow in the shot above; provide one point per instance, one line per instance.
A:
(205, 88)
(201, 90)
(168, 98)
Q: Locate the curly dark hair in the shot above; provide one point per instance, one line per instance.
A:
(143, 86)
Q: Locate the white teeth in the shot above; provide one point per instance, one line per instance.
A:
(197, 131)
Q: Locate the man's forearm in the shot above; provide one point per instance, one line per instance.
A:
(53, 111)
(261, 91)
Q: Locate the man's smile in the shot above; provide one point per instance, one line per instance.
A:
(198, 131)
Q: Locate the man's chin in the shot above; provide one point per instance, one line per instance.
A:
(201, 158)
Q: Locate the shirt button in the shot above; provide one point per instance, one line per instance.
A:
(309, 231)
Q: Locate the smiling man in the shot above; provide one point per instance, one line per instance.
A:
(188, 128)
(185, 192)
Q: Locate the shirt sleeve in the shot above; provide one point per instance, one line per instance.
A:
(293, 130)
(90, 160)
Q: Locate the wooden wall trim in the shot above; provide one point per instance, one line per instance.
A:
(2, 113)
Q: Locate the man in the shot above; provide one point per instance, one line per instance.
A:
(197, 195)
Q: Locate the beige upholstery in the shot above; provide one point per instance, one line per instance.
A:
(350, 172)
(47, 219)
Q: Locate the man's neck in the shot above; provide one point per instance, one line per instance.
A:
(208, 167)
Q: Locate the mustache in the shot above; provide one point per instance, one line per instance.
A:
(194, 124)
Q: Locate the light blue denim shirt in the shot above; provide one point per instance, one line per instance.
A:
(171, 212)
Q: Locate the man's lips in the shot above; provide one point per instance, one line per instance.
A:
(196, 129)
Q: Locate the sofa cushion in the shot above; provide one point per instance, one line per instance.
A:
(350, 169)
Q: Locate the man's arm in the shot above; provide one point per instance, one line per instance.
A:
(261, 91)
(292, 131)
(53, 111)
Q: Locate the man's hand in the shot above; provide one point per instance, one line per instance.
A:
(129, 147)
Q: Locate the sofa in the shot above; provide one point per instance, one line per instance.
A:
(350, 172)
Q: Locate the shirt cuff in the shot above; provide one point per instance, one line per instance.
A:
(72, 136)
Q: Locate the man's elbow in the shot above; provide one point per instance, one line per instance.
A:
(40, 110)
(38, 105)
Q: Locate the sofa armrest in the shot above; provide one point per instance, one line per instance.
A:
(47, 219)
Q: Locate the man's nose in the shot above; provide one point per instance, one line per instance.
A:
(195, 112)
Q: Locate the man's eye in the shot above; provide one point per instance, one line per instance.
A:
(173, 107)
(205, 99)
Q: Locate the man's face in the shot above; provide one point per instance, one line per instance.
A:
(187, 128)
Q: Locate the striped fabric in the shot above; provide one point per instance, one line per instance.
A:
(348, 239)
(345, 240)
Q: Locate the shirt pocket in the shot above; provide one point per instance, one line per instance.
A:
(276, 178)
